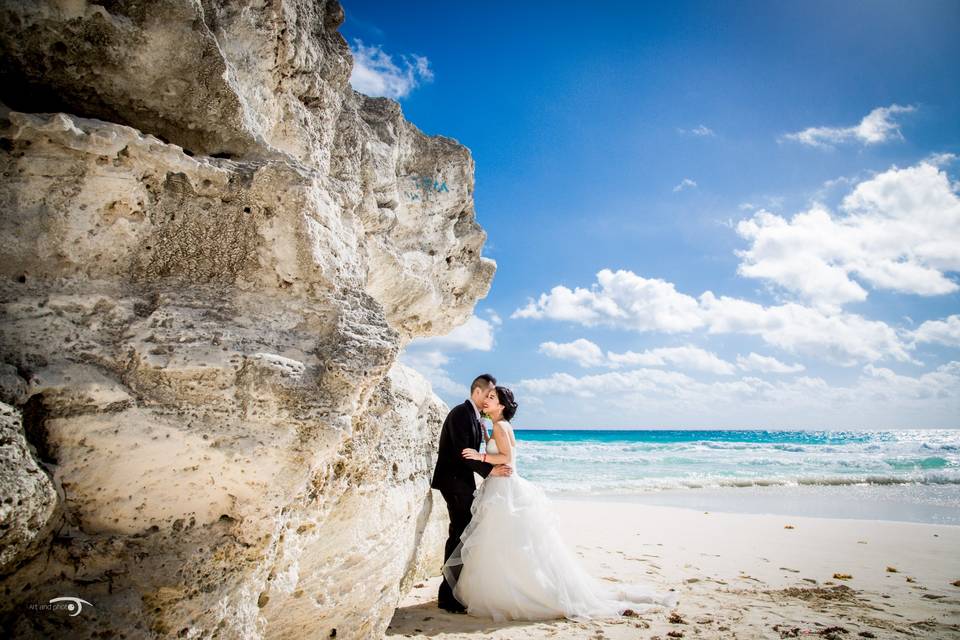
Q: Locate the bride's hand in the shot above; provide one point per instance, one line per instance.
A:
(471, 454)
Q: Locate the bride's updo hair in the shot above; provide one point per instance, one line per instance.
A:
(505, 396)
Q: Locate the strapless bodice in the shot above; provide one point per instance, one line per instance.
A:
(492, 449)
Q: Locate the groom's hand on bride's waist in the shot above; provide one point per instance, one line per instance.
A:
(502, 470)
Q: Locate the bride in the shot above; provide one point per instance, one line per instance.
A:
(511, 562)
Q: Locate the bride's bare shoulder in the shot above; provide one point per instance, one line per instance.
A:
(507, 428)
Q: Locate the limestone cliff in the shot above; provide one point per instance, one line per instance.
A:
(213, 250)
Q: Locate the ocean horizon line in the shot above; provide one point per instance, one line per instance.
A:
(778, 429)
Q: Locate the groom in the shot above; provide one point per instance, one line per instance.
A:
(453, 475)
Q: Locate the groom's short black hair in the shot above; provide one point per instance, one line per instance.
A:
(483, 380)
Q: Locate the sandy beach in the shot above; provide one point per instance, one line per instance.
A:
(740, 575)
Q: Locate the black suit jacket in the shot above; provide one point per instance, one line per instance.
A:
(461, 430)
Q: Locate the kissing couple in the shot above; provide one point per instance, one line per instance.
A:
(505, 558)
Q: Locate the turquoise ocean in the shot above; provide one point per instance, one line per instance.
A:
(911, 475)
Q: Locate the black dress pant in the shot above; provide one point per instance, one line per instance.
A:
(458, 507)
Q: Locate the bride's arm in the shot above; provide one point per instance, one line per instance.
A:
(503, 446)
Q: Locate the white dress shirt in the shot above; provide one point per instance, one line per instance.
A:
(477, 411)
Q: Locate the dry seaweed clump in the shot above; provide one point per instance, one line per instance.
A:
(839, 593)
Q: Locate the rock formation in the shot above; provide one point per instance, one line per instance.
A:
(213, 251)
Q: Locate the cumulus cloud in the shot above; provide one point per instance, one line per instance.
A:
(605, 384)
(475, 334)
(842, 338)
(620, 299)
(429, 356)
(766, 364)
(583, 352)
(686, 183)
(899, 230)
(878, 126)
(625, 300)
(376, 74)
(588, 354)
(685, 357)
(883, 385)
(946, 331)
(878, 397)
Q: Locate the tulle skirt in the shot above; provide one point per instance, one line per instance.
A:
(512, 564)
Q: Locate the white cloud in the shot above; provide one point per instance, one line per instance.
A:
(429, 356)
(583, 352)
(832, 186)
(686, 183)
(940, 159)
(877, 126)
(376, 74)
(882, 385)
(431, 365)
(622, 299)
(842, 338)
(878, 398)
(766, 364)
(946, 331)
(899, 230)
(587, 354)
(494, 317)
(625, 300)
(686, 357)
(604, 384)
(475, 334)
(700, 130)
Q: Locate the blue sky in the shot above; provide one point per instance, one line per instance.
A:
(740, 215)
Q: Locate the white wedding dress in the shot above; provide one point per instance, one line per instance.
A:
(512, 564)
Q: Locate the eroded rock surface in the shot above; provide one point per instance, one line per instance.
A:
(213, 251)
